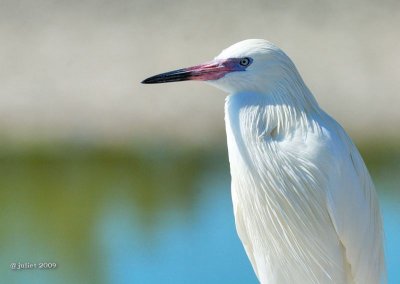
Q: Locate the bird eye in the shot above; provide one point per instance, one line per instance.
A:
(245, 61)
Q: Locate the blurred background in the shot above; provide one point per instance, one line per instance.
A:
(118, 182)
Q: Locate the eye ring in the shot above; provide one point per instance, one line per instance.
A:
(245, 61)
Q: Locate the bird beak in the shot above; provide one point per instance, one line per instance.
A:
(212, 70)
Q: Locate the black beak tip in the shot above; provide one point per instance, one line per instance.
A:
(147, 81)
(172, 76)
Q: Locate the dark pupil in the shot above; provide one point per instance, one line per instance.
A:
(244, 61)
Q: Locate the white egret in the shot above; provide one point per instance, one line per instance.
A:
(305, 206)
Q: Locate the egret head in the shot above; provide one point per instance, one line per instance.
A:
(249, 65)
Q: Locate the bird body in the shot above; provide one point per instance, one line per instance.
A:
(291, 175)
(305, 206)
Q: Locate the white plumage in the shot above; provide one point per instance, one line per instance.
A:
(305, 207)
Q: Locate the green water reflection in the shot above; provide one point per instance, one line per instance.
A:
(53, 199)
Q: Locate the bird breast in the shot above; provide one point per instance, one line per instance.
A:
(278, 157)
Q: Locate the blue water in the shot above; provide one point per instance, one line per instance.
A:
(391, 216)
(202, 249)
